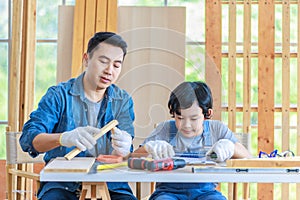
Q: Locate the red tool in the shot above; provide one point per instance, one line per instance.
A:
(156, 165)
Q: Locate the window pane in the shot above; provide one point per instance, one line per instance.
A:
(4, 19)
(195, 18)
(141, 2)
(195, 63)
(70, 2)
(46, 19)
(4, 81)
(2, 142)
(45, 74)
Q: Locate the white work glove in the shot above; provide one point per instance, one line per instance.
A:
(224, 149)
(121, 142)
(159, 149)
(81, 137)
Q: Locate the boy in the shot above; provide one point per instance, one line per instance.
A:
(190, 103)
(71, 112)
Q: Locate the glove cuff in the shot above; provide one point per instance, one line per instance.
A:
(60, 139)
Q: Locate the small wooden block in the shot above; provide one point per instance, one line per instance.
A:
(109, 158)
(77, 164)
(265, 162)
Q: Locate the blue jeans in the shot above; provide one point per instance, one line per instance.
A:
(186, 191)
(61, 194)
(214, 195)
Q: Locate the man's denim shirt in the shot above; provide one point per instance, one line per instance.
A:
(63, 108)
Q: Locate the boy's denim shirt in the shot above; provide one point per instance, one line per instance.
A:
(63, 108)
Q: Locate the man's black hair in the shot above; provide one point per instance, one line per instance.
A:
(108, 38)
(185, 94)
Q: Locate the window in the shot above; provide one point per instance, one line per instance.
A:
(46, 33)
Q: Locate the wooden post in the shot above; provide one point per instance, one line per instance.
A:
(266, 40)
(285, 86)
(298, 97)
(247, 80)
(213, 57)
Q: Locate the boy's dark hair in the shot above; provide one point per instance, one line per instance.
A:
(108, 38)
(185, 94)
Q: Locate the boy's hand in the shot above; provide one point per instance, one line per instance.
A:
(224, 149)
(121, 142)
(159, 149)
(81, 137)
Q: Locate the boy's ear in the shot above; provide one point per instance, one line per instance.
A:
(210, 113)
(85, 59)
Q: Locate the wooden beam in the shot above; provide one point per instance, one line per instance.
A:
(15, 66)
(101, 15)
(213, 55)
(64, 43)
(266, 41)
(90, 22)
(78, 37)
(112, 15)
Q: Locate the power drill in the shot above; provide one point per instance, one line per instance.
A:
(156, 165)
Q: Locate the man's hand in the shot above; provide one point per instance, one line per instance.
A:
(81, 137)
(121, 142)
(224, 149)
(159, 149)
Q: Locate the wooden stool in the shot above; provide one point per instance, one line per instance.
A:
(94, 191)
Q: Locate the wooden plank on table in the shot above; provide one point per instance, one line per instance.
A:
(64, 43)
(112, 15)
(78, 37)
(285, 86)
(266, 40)
(265, 162)
(78, 164)
(213, 58)
(101, 15)
(90, 22)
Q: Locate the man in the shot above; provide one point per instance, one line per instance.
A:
(70, 113)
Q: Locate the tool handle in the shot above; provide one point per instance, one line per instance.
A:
(137, 163)
(156, 165)
(103, 130)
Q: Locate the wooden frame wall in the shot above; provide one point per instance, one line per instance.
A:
(23, 44)
(266, 74)
(21, 84)
(90, 16)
